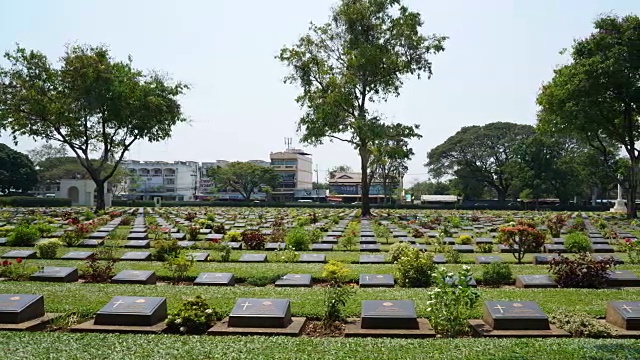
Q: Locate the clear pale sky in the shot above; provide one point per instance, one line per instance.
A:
(498, 55)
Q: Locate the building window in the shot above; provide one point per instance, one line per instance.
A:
(284, 162)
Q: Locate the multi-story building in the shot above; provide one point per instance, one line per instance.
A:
(296, 173)
(171, 181)
(346, 187)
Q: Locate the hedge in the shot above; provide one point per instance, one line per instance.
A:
(30, 201)
(479, 206)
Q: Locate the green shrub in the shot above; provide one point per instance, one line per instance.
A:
(179, 267)
(414, 269)
(166, 249)
(193, 317)
(23, 235)
(193, 232)
(450, 303)
(577, 242)
(298, 239)
(452, 255)
(232, 236)
(337, 294)
(465, 240)
(16, 270)
(263, 280)
(219, 229)
(285, 256)
(581, 325)
(496, 274)
(28, 201)
(485, 248)
(97, 271)
(48, 249)
(398, 250)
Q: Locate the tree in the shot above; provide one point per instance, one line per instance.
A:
(91, 103)
(483, 154)
(17, 172)
(339, 169)
(598, 92)
(47, 151)
(359, 58)
(429, 188)
(388, 162)
(243, 177)
(320, 186)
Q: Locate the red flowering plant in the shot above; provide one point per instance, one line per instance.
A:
(632, 247)
(75, 236)
(521, 239)
(15, 270)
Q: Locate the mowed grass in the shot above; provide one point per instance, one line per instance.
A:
(89, 298)
(35, 346)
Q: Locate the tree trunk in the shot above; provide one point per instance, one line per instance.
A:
(364, 170)
(633, 188)
(100, 202)
(502, 196)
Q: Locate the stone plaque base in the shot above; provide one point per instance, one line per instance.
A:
(89, 326)
(353, 329)
(223, 328)
(36, 324)
(481, 329)
(622, 333)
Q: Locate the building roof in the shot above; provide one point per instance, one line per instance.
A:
(346, 178)
(439, 198)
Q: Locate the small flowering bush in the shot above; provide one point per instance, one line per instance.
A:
(450, 303)
(16, 270)
(632, 247)
(414, 269)
(193, 232)
(398, 250)
(522, 239)
(555, 223)
(286, 256)
(193, 317)
(23, 235)
(337, 293)
(48, 249)
(581, 271)
(253, 240)
(465, 240)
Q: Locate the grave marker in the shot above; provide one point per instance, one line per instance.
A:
(55, 274)
(19, 308)
(624, 314)
(132, 311)
(389, 314)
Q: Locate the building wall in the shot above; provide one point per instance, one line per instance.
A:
(81, 192)
(169, 180)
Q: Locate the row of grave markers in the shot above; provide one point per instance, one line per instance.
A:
(273, 316)
(616, 278)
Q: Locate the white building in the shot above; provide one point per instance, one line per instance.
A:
(81, 192)
(171, 181)
(295, 168)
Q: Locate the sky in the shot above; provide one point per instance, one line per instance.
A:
(498, 54)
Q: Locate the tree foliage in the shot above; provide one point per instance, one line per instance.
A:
(17, 172)
(484, 154)
(388, 161)
(358, 58)
(597, 94)
(91, 103)
(243, 177)
(339, 169)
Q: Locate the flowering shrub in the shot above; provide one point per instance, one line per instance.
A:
(465, 240)
(555, 223)
(414, 269)
(232, 236)
(193, 232)
(190, 216)
(398, 250)
(193, 317)
(98, 271)
(337, 294)
(286, 256)
(16, 270)
(166, 249)
(580, 272)
(632, 247)
(450, 303)
(219, 229)
(179, 266)
(521, 239)
(253, 240)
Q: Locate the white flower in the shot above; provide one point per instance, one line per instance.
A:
(183, 329)
(179, 321)
(466, 267)
(208, 311)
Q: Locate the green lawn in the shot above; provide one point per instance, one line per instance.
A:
(34, 346)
